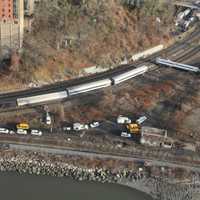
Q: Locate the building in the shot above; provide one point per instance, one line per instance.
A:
(155, 137)
(6, 10)
(11, 24)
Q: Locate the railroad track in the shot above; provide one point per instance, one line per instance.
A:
(135, 156)
(179, 52)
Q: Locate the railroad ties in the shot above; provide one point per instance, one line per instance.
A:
(181, 66)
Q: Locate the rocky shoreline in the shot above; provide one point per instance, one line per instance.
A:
(23, 163)
(65, 166)
(135, 175)
(41, 167)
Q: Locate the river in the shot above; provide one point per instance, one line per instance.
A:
(14, 186)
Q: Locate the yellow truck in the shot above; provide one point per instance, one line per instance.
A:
(134, 128)
(22, 126)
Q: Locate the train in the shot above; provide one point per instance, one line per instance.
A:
(87, 87)
(181, 66)
(82, 88)
(128, 75)
(42, 98)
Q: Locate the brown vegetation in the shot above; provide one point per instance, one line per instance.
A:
(66, 36)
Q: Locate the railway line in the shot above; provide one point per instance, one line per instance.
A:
(51, 148)
(178, 52)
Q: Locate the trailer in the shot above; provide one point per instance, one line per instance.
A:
(128, 75)
(42, 98)
(86, 87)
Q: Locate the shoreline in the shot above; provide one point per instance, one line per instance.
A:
(33, 163)
(25, 164)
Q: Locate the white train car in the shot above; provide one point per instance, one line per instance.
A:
(86, 87)
(128, 75)
(173, 64)
(41, 98)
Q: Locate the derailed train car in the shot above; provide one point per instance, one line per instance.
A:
(128, 75)
(86, 87)
(82, 88)
(42, 98)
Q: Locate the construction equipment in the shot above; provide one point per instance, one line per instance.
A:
(134, 128)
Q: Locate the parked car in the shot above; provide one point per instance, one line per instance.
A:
(141, 119)
(184, 14)
(48, 119)
(167, 144)
(36, 132)
(22, 132)
(4, 130)
(197, 3)
(189, 22)
(11, 132)
(126, 135)
(67, 128)
(79, 126)
(94, 124)
(123, 120)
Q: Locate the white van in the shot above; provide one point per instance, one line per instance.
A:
(36, 132)
(4, 130)
(22, 132)
(123, 120)
(126, 135)
(79, 127)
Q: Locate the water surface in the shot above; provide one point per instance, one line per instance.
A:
(14, 186)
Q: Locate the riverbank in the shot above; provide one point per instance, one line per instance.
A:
(34, 163)
(133, 175)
